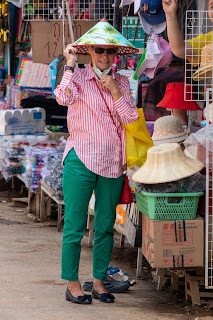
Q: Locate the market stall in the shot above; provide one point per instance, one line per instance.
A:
(166, 217)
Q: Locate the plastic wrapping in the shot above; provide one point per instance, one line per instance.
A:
(33, 163)
(52, 173)
(193, 184)
(10, 164)
(196, 143)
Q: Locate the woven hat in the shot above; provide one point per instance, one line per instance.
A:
(174, 97)
(104, 34)
(168, 129)
(206, 63)
(166, 162)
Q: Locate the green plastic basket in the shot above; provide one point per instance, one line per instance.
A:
(168, 206)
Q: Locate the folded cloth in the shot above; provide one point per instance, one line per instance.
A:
(111, 285)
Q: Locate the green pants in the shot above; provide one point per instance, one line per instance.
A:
(78, 185)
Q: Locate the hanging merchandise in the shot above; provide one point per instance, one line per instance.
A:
(126, 195)
(19, 3)
(158, 55)
(53, 71)
(133, 83)
(138, 141)
(152, 16)
(152, 11)
(125, 3)
(4, 18)
(152, 56)
(135, 77)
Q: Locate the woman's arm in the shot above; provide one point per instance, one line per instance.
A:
(125, 105)
(179, 47)
(66, 92)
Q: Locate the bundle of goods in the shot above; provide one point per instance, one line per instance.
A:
(52, 173)
(15, 94)
(36, 165)
(11, 164)
(33, 164)
(12, 152)
(22, 121)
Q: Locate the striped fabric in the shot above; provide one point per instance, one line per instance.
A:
(93, 135)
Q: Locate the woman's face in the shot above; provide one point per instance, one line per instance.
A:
(103, 60)
(210, 8)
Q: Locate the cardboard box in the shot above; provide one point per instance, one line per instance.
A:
(176, 243)
(47, 39)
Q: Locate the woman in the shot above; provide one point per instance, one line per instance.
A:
(99, 102)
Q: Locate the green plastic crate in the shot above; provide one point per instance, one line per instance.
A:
(168, 206)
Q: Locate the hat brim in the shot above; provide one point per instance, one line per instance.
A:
(148, 28)
(179, 138)
(121, 50)
(171, 104)
(154, 19)
(203, 72)
(150, 173)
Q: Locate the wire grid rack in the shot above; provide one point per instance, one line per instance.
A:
(198, 73)
(209, 206)
(79, 9)
(198, 70)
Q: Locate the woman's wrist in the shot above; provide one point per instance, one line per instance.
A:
(116, 95)
(70, 64)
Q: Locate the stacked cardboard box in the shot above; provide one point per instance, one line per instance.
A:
(173, 243)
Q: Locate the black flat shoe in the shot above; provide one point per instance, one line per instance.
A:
(103, 297)
(85, 299)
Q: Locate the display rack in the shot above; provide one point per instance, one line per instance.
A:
(79, 9)
(209, 207)
(198, 23)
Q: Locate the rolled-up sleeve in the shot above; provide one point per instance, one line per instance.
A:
(125, 106)
(69, 80)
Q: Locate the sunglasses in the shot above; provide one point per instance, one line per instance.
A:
(102, 50)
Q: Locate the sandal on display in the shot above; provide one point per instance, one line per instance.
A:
(103, 297)
(85, 299)
(110, 284)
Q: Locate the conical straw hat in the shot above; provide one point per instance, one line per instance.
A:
(104, 34)
(166, 162)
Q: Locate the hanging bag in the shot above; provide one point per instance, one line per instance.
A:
(126, 195)
(138, 141)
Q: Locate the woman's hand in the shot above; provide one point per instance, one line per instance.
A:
(109, 83)
(70, 54)
(170, 6)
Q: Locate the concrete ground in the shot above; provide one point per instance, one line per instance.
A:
(31, 287)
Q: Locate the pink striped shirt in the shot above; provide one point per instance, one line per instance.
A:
(93, 135)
